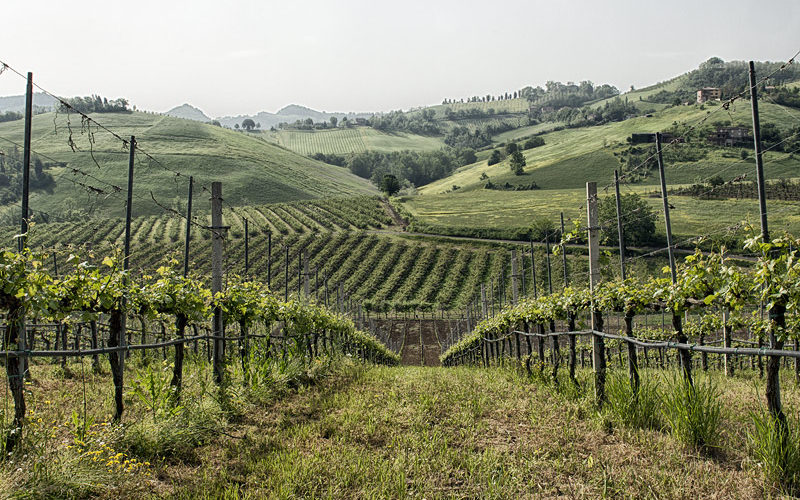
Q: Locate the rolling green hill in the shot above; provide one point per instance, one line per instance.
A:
(573, 156)
(253, 171)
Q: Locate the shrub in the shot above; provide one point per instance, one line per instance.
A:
(533, 142)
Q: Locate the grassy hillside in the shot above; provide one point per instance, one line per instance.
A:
(587, 152)
(252, 170)
(345, 141)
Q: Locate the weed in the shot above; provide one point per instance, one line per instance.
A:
(777, 448)
(152, 387)
(693, 412)
(634, 409)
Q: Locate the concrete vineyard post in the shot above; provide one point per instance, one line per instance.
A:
(598, 343)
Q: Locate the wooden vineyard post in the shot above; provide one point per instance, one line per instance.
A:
(514, 278)
(246, 247)
(117, 320)
(684, 355)
(598, 343)
(554, 351)
(491, 294)
(533, 272)
(180, 319)
(777, 313)
(216, 278)
(286, 274)
(22, 241)
(188, 236)
(306, 274)
(16, 333)
(570, 316)
(269, 259)
(620, 233)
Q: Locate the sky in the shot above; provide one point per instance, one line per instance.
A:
(241, 57)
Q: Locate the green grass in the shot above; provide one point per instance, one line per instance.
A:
(346, 430)
(523, 132)
(351, 140)
(518, 105)
(252, 170)
(509, 210)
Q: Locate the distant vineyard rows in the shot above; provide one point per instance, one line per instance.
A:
(369, 267)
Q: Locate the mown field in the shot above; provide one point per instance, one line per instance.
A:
(253, 171)
(502, 214)
(345, 141)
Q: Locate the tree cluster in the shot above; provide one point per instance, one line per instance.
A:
(10, 116)
(11, 166)
(638, 220)
(95, 104)
(486, 98)
(413, 167)
(330, 159)
(730, 77)
(422, 122)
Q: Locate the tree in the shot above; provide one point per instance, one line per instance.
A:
(236, 126)
(334, 121)
(511, 147)
(496, 157)
(248, 124)
(390, 185)
(467, 156)
(638, 220)
(533, 142)
(517, 162)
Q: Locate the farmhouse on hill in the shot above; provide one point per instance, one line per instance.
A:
(709, 94)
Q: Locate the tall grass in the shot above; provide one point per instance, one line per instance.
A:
(634, 409)
(693, 413)
(777, 449)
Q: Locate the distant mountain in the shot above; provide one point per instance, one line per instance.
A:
(289, 114)
(188, 112)
(16, 103)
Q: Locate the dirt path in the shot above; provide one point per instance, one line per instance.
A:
(399, 222)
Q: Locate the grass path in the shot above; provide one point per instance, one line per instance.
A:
(415, 432)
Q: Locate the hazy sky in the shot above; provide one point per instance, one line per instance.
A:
(234, 57)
